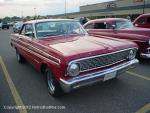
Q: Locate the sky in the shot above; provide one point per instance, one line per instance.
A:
(41, 7)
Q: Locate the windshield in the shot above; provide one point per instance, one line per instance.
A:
(121, 24)
(54, 28)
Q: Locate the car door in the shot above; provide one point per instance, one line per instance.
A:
(27, 38)
(35, 51)
(147, 22)
(100, 28)
(21, 42)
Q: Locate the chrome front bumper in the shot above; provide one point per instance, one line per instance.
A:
(146, 55)
(143, 55)
(74, 83)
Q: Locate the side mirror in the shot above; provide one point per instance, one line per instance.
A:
(113, 26)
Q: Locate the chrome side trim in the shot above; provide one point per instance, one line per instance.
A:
(79, 81)
(36, 54)
(120, 39)
(48, 55)
(138, 41)
(44, 53)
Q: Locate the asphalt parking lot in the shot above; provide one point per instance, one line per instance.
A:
(22, 86)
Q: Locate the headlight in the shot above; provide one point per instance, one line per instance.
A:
(73, 69)
(132, 54)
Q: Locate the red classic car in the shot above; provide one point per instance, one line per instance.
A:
(69, 58)
(142, 21)
(122, 29)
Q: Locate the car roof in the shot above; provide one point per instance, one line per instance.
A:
(147, 14)
(47, 20)
(107, 19)
(144, 15)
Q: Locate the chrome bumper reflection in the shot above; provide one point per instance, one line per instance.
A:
(144, 55)
(74, 83)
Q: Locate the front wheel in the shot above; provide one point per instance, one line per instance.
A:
(19, 57)
(54, 87)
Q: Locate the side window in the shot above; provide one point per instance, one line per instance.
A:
(27, 30)
(142, 21)
(89, 26)
(108, 26)
(148, 20)
(100, 26)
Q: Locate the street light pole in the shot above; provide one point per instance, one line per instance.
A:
(65, 8)
(143, 6)
(22, 14)
(35, 12)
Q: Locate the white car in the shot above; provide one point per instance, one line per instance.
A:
(17, 27)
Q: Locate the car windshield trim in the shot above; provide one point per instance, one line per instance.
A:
(61, 35)
(51, 33)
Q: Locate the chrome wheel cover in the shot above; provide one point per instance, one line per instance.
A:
(50, 82)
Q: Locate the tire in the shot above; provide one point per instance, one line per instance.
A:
(19, 57)
(54, 87)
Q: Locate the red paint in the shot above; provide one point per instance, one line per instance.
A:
(140, 36)
(142, 21)
(58, 51)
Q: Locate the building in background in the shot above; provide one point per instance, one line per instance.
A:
(118, 8)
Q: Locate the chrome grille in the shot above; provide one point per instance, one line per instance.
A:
(103, 60)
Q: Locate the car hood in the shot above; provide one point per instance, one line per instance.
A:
(136, 30)
(85, 45)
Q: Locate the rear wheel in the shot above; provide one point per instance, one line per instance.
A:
(54, 87)
(19, 57)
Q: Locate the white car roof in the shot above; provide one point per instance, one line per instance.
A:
(46, 20)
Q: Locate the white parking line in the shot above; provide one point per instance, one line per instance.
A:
(138, 75)
(12, 87)
(144, 109)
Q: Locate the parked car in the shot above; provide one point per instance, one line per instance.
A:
(142, 21)
(10, 24)
(69, 58)
(0, 25)
(17, 27)
(82, 20)
(5, 25)
(122, 29)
